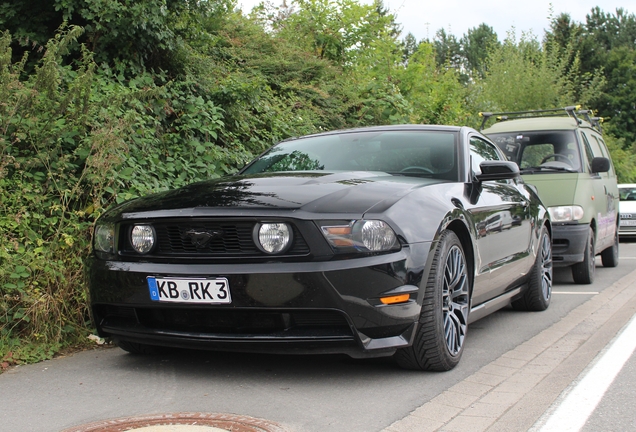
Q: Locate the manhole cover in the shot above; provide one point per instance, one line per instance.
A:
(181, 422)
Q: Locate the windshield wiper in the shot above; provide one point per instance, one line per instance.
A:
(536, 169)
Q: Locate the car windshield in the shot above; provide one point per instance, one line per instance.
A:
(627, 193)
(541, 151)
(409, 153)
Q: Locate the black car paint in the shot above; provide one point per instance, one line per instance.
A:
(417, 209)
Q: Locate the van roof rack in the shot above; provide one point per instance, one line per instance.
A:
(573, 111)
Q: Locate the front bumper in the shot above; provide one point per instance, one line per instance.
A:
(568, 243)
(321, 307)
(626, 231)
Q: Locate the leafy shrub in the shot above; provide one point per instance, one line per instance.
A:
(72, 140)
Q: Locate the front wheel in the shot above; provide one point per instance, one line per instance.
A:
(583, 272)
(609, 257)
(439, 341)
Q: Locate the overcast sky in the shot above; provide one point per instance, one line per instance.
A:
(424, 17)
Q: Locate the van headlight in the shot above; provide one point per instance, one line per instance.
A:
(566, 213)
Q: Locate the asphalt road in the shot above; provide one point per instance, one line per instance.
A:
(334, 393)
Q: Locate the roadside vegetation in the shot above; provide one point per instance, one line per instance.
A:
(108, 100)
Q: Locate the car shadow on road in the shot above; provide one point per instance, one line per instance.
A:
(221, 364)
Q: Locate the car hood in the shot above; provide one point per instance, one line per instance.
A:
(314, 192)
(627, 207)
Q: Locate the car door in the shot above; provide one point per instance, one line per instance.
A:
(503, 225)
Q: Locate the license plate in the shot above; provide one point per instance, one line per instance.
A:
(208, 291)
(628, 222)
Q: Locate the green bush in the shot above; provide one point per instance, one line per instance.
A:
(73, 139)
(53, 141)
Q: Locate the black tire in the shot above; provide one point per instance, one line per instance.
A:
(539, 292)
(138, 348)
(439, 341)
(583, 272)
(609, 257)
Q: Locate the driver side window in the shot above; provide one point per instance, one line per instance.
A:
(480, 151)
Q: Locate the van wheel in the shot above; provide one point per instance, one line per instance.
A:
(583, 272)
(609, 257)
(439, 341)
(537, 296)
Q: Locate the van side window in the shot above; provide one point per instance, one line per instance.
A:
(605, 151)
(480, 151)
(588, 152)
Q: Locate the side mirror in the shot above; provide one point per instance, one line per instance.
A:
(600, 165)
(498, 170)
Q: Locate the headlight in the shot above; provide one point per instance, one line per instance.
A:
(361, 235)
(104, 238)
(566, 213)
(142, 238)
(273, 238)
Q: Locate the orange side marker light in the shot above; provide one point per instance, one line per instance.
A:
(395, 299)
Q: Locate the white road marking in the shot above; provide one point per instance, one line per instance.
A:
(576, 292)
(577, 404)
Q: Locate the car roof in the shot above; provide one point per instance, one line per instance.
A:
(403, 127)
(536, 124)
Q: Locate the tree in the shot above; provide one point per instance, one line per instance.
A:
(409, 46)
(618, 103)
(333, 29)
(447, 49)
(475, 45)
(529, 75)
(128, 35)
(435, 93)
(608, 41)
(563, 32)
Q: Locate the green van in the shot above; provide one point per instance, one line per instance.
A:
(562, 153)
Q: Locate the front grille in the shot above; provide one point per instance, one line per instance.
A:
(233, 239)
(236, 240)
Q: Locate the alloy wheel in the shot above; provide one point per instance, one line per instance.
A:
(455, 300)
(546, 267)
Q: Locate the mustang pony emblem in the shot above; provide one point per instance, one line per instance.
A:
(201, 238)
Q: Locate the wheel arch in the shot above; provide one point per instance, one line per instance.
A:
(548, 225)
(461, 231)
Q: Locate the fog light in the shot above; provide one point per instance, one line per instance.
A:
(274, 237)
(142, 238)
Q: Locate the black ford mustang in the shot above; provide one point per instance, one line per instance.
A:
(371, 242)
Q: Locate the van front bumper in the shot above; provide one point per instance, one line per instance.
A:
(568, 243)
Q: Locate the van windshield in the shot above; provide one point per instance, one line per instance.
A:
(541, 151)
